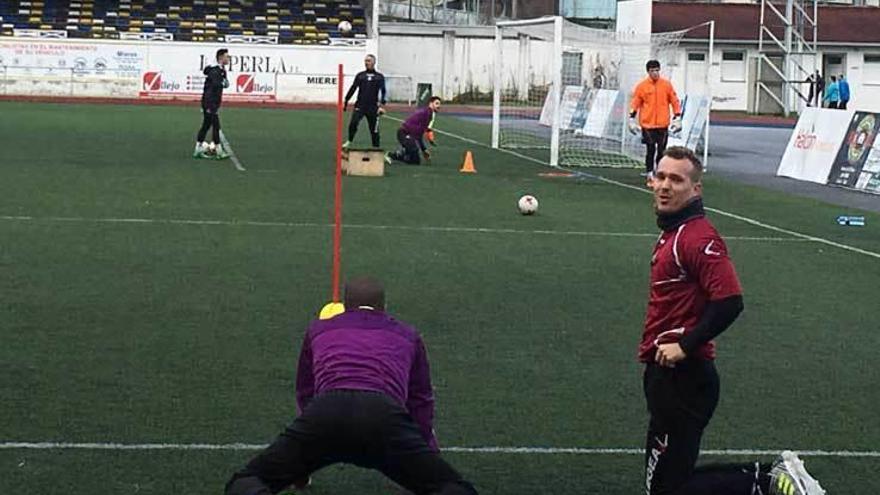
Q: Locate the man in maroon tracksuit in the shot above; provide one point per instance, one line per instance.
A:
(695, 295)
(411, 135)
(364, 397)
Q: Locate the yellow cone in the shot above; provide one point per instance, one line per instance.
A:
(330, 310)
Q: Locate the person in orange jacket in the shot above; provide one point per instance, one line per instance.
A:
(651, 100)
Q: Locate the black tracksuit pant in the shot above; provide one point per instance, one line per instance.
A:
(681, 402)
(655, 142)
(367, 429)
(372, 120)
(410, 151)
(210, 119)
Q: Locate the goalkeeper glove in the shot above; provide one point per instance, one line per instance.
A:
(675, 126)
(225, 83)
(429, 135)
(426, 154)
(634, 126)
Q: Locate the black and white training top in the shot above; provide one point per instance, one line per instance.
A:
(215, 81)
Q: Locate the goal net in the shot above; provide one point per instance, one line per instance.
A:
(585, 122)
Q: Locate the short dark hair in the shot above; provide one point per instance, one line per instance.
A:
(370, 55)
(683, 153)
(221, 52)
(433, 99)
(833, 78)
(364, 291)
(652, 64)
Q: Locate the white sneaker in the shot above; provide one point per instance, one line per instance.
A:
(788, 476)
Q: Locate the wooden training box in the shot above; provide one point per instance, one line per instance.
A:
(365, 162)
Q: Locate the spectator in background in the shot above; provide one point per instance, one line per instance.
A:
(599, 79)
(812, 80)
(820, 88)
(844, 92)
(814, 94)
(832, 93)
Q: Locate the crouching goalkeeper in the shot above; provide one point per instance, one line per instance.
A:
(410, 135)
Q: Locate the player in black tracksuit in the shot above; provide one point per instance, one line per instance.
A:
(212, 97)
(370, 86)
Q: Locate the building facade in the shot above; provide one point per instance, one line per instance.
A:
(848, 45)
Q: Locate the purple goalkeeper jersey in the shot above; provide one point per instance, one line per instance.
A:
(369, 350)
(416, 124)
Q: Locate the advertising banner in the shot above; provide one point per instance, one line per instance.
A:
(848, 169)
(814, 144)
(172, 70)
(255, 71)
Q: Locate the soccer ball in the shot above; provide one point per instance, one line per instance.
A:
(527, 204)
(344, 27)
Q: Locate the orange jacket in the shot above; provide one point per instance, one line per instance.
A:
(651, 100)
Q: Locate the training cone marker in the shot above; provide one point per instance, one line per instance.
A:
(330, 310)
(467, 167)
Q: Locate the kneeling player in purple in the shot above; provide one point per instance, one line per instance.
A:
(411, 132)
(364, 394)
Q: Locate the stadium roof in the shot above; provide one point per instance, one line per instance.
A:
(740, 22)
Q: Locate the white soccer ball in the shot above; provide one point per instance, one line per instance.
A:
(527, 204)
(344, 27)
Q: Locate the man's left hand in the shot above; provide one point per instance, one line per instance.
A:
(669, 354)
(381, 111)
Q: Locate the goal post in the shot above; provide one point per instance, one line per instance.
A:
(561, 91)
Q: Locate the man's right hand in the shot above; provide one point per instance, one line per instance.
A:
(426, 154)
(634, 126)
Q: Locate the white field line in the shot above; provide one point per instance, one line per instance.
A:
(758, 223)
(464, 450)
(232, 155)
(411, 228)
(751, 221)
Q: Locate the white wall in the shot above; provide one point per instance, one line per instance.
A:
(731, 88)
(864, 78)
(455, 63)
(727, 78)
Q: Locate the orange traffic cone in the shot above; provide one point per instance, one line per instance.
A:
(467, 167)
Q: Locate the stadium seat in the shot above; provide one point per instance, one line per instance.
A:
(291, 21)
